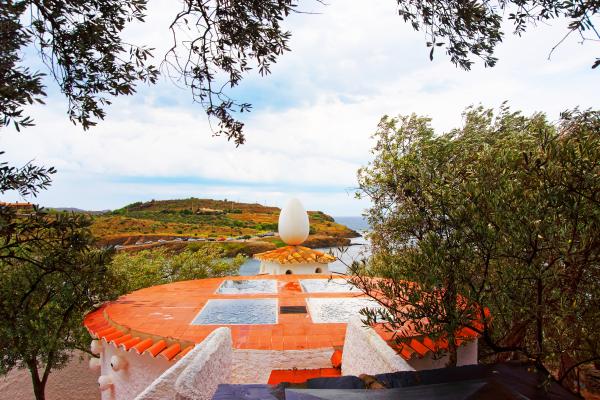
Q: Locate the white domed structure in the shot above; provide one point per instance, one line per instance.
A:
(294, 259)
(293, 223)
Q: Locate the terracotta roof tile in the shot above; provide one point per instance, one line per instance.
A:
(406, 351)
(156, 348)
(295, 255)
(142, 312)
(106, 332)
(300, 375)
(184, 352)
(99, 327)
(122, 339)
(142, 346)
(418, 347)
(130, 343)
(170, 351)
(113, 336)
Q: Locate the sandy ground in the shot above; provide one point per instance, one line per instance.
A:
(74, 382)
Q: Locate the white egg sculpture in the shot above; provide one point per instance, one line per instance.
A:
(293, 223)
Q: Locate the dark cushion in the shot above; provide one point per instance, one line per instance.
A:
(343, 382)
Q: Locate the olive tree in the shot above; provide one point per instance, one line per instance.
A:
(215, 44)
(493, 227)
(51, 274)
(154, 267)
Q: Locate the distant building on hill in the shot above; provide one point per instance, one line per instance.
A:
(18, 205)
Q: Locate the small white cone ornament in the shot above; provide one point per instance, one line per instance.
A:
(94, 364)
(117, 363)
(105, 382)
(96, 346)
(293, 223)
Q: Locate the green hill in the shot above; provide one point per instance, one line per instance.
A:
(203, 219)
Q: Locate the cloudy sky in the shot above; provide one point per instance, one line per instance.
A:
(312, 119)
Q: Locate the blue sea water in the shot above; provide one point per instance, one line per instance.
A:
(356, 223)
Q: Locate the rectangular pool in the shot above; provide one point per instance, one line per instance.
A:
(337, 310)
(237, 312)
(327, 286)
(248, 286)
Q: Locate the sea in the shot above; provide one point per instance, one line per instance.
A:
(357, 251)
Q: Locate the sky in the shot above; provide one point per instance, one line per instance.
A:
(312, 120)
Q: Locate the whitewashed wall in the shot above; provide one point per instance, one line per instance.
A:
(210, 367)
(365, 352)
(255, 366)
(141, 371)
(197, 375)
(272, 268)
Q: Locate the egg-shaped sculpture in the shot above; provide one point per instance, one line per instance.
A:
(293, 223)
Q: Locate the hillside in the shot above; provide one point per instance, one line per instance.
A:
(204, 219)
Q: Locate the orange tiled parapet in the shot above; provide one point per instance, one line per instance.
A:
(158, 320)
(295, 255)
(100, 328)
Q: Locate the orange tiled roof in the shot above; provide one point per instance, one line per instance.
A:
(295, 255)
(101, 328)
(16, 205)
(301, 375)
(156, 321)
(410, 347)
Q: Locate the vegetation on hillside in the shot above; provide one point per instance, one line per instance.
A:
(200, 218)
(502, 214)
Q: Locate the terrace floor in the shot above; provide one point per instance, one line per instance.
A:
(165, 313)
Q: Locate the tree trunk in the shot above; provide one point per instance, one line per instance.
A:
(39, 387)
(452, 352)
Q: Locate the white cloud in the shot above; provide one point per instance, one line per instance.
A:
(310, 131)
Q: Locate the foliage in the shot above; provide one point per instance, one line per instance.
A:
(154, 267)
(473, 28)
(50, 276)
(502, 214)
(214, 44)
(223, 40)
(80, 43)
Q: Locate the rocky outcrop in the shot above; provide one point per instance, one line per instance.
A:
(320, 241)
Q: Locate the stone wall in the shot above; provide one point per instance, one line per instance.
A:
(210, 367)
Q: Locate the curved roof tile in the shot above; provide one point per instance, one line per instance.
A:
(157, 348)
(143, 345)
(98, 326)
(295, 255)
